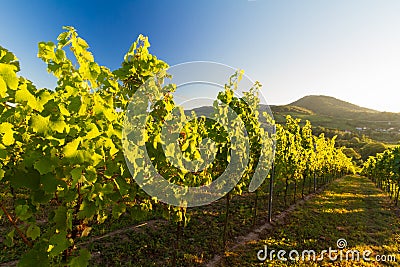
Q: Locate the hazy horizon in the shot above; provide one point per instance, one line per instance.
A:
(288, 103)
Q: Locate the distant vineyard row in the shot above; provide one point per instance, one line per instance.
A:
(384, 170)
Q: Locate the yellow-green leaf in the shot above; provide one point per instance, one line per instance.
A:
(39, 123)
(70, 149)
(59, 126)
(23, 95)
(8, 138)
(3, 88)
(94, 132)
(63, 110)
(8, 73)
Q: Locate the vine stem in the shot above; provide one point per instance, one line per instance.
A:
(20, 233)
(226, 221)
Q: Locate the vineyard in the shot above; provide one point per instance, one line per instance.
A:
(384, 171)
(67, 195)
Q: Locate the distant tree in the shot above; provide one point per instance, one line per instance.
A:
(371, 149)
(351, 153)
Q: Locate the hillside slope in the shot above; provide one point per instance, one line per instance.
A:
(327, 105)
(332, 113)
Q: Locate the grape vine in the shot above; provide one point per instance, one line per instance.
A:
(63, 169)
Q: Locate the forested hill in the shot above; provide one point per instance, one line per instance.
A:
(332, 113)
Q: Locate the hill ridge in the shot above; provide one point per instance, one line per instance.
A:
(328, 105)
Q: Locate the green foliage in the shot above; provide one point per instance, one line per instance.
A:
(371, 149)
(64, 145)
(62, 148)
(384, 170)
(299, 152)
(351, 153)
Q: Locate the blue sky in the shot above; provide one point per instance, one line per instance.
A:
(346, 49)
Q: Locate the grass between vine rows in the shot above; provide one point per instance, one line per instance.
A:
(351, 208)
